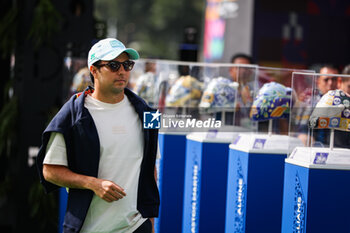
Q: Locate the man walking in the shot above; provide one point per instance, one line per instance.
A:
(96, 147)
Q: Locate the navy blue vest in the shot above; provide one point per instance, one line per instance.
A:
(83, 152)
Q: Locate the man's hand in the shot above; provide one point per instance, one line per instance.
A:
(246, 96)
(152, 221)
(62, 176)
(107, 190)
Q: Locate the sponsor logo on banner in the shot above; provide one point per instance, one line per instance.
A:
(240, 200)
(195, 198)
(299, 208)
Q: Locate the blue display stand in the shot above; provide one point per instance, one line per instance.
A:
(255, 184)
(63, 198)
(171, 170)
(316, 197)
(205, 184)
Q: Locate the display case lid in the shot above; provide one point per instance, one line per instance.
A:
(212, 137)
(321, 158)
(272, 99)
(264, 143)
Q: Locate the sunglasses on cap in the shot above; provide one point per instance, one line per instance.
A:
(114, 66)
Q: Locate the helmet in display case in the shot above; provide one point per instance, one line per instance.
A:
(332, 111)
(186, 92)
(272, 102)
(220, 93)
(145, 86)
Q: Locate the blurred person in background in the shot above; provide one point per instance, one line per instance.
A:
(245, 79)
(239, 59)
(324, 84)
(342, 138)
(344, 83)
(81, 81)
(96, 147)
(145, 86)
(327, 83)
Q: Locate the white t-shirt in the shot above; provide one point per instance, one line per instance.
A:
(121, 153)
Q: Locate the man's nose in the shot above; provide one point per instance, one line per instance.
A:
(121, 69)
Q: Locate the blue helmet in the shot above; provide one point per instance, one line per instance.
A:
(186, 92)
(272, 102)
(219, 94)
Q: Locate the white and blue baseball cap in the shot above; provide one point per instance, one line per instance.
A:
(108, 49)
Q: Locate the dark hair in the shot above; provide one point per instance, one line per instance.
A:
(242, 55)
(149, 66)
(346, 69)
(91, 76)
(329, 66)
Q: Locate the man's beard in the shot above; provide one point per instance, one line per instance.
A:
(117, 90)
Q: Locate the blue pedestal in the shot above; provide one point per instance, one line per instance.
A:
(315, 200)
(205, 186)
(63, 198)
(254, 189)
(171, 171)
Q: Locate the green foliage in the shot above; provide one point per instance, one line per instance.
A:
(8, 133)
(5, 186)
(45, 23)
(8, 29)
(43, 207)
(163, 13)
(8, 119)
(157, 26)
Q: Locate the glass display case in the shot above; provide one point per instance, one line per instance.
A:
(196, 99)
(252, 154)
(200, 95)
(320, 117)
(243, 98)
(321, 166)
(143, 80)
(269, 110)
(276, 115)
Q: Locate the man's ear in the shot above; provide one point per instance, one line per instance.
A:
(93, 70)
